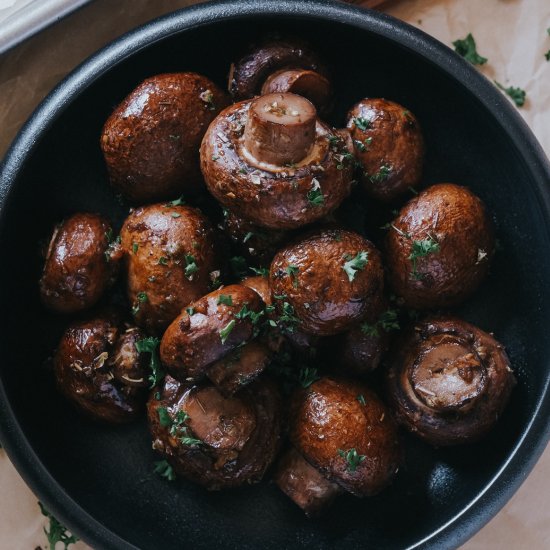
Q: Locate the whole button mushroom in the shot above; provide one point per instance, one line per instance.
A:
(81, 263)
(449, 381)
(171, 255)
(439, 247)
(272, 162)
(326, 282)
(97, 371)
(389, 147)
(281, 64)
(343, 430)
(209, 329)
(150, 142)
(218, 442)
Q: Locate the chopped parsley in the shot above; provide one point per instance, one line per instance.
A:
(362, 123)
(163, 260)
(467, 49)
(315, 194)
(248, 236)
(226, 331)
(141, 298)
(353, 265)
(421, 249)
(190, 311)
(307, 376)
(178, 427)
(352, 458)
(516, 94)
(292, 272)
(190, 266)
(164, 417)
(150, 345)
(382, 175)
(208, 97)
(361, 399)
(245, 313)
(362, 146)
(388, 321)
(135, 247)
(225, 299)
(57, 532)
(163, 469)
(175, 215)
(262, 271)
(177, 202)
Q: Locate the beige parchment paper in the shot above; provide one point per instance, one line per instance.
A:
(510, 33)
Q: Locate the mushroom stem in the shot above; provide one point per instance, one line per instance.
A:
(280, 128)
(308, 84)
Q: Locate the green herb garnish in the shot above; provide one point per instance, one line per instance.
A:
(421, 249)
(382, 175)
(178, 202)
(175, 215)
(163, 260)
(262, 271)
(361, 400)
(135, 247)
(238, 266)
(248, 236)
(362, 123)
(292, 271)
(225, 299)
(190, 266)
(190, 311)
(164, 470)
(315, 194)
(141, 298)
(516, 94)
(150, 345)
(307, 376)
(352, 458)
(353, 265)
(467, 49)
(226, 331)
(57, 532)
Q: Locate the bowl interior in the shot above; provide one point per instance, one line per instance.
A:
(108, 471)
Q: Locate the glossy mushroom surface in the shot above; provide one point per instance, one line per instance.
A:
(439, 248)
(150, 142)
(90, 369)
(80, 264)
(345, 431)
(209, 329)
(389, 147)
(171, 256)
(218, 442)
(272, 162)
(449, 381)
(327, 281)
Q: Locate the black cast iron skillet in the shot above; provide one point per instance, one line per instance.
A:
(98, 480)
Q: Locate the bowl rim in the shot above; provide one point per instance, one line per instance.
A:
(500, 488)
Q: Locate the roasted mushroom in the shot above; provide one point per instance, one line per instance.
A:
(439, 247)
(272, 162)
(216, 441)
(345, 432)
(97, 369)
(326, 282)
(151, 140)
(171, 256)
(449, 381)
(210, 328)
(80, 264)
(389, 147)
(280, 65)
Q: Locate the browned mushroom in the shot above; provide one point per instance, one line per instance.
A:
(275, 56)
(345, 432)
(95, 369)
(272, 162)
(209, 329)
(150, 142)
(449, 381)
(171, 256)
(216, 441)
(389, 147)
(80, 263)
(439, 247)
(326, 282)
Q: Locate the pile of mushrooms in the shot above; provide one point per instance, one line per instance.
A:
(251, 327)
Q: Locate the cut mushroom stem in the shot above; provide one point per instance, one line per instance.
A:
(280, 129)
(308, 84)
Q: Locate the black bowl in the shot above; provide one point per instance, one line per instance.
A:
(98, 480)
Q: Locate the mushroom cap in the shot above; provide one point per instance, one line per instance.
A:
(455, 222)
(334, 417)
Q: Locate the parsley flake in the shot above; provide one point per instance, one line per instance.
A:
(362, 123)
(307, 376)
(353, 265)
(226, 331)
(190, 266)
(516, 94)
(57, 532)
(315, 194)
(225, 299)
(467, 49)
(421, 249)
(164, 470)
(292, 271)
(353, 459)
(150, 345)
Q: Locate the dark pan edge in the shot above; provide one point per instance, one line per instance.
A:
(534, 439)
